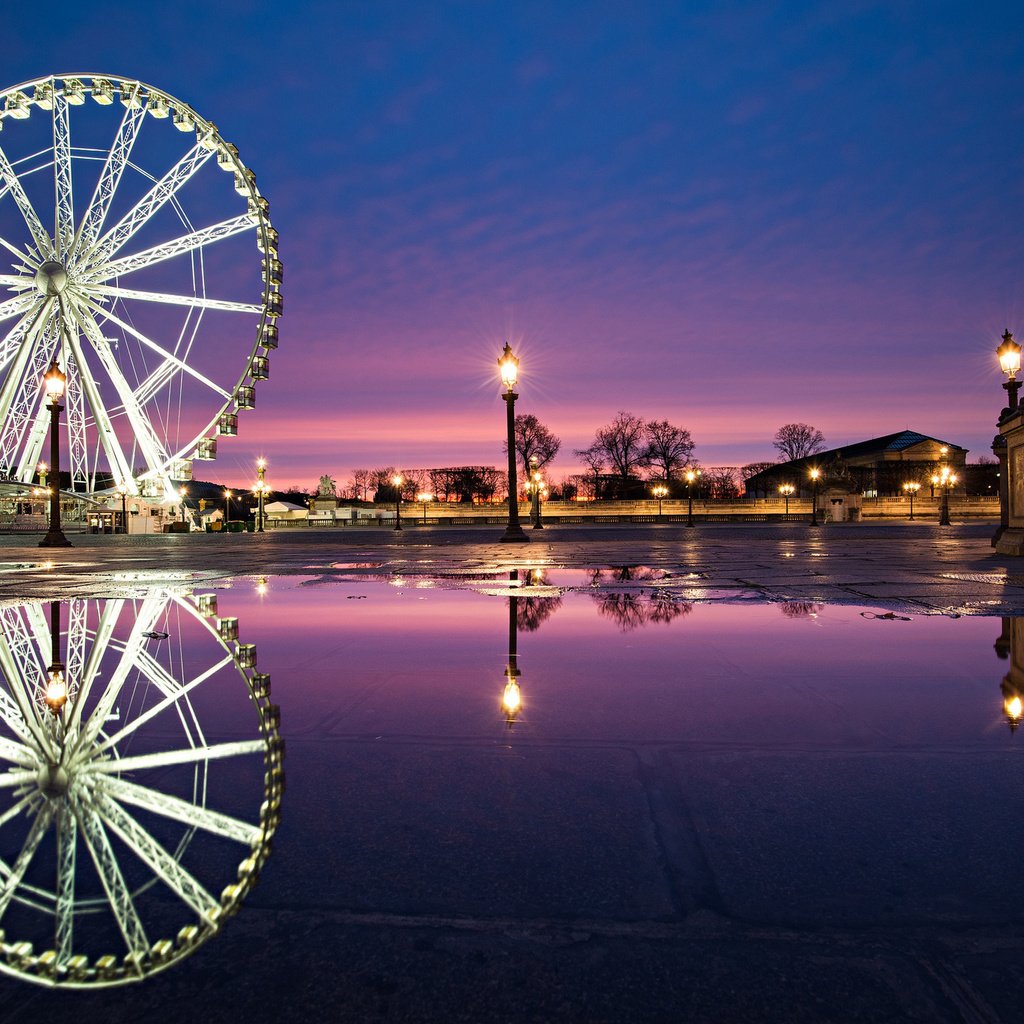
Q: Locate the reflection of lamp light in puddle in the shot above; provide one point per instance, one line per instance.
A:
(55, 693)
(1013, 708)
(511, 697)
(261, 585)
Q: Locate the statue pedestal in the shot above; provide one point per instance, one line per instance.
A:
(323, 506)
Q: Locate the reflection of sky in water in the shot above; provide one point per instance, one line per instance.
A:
(367, 657)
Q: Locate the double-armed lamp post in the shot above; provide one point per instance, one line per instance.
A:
(396, 481)
(54, 383)
(424, 498)
(122, 489)
(911, 487)
(508, 367)
(786, 490)
(945, 479)
(690, 476)
(261, 490)
(659, 491)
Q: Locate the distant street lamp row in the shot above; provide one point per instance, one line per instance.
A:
(55, 382)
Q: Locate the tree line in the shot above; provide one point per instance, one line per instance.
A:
(624, 458)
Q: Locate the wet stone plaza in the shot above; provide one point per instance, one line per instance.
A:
(616, 774)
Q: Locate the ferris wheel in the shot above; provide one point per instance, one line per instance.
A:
(118, 810)
(142, 258)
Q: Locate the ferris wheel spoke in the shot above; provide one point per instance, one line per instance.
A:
(26, 346)
(196, 301)
(108, 440)
(20, 253)
(104, 631)
(15, 281)
(188, 755)
(166, 806)
(67, 840)
(64, 206)
(157, 859)
(158, 349)
(145, 437)
(16, 306)
(171, 698)
(11, 343)
(183, 244)
(24, 428)
(110, 177)
(10, 814)
(16, 753)
(40, 824)
(35, 227)
(118, 895)
(163, 191)
(78, 452)
(144, 622)
(11, 716)
(17, 681)
(14, 778)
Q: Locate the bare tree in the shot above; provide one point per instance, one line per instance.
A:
(533, 438)
(798, 440)
(594, 459)
(360, 483)
(720, 482)
(669, 448)
(623, 445)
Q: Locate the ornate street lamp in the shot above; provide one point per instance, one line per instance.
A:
(659, 491)
(690, 476)
(122, 489)
(786, 490)
(815, 477)
(423, 498)
(944, 479)
(396, 481)
(182, 494)
(41, 468)
(508, 367)
(261, 490)
(911, 487)
(227, 508)
(54, 383)
(1009, 362)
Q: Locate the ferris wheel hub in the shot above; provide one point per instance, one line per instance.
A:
(53, 780)
(51, 278)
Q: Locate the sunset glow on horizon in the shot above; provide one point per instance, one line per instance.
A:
(729, 219)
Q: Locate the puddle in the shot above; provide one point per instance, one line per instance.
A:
(519, 740)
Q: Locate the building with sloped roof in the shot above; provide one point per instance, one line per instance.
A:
(880, 466)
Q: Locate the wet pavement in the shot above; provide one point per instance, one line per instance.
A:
(778, 833)
(897, 566)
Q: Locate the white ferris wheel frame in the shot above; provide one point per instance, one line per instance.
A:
(49, 315)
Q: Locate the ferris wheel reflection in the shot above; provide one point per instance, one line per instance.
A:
(113, 793)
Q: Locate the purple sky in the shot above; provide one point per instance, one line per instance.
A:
(731, 216)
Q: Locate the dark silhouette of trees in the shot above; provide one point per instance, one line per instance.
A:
(531, 437)
(668, 448)
(798, 440)
(622, 447)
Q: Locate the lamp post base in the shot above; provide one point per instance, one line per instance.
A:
(55, 539)
(514, 535)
